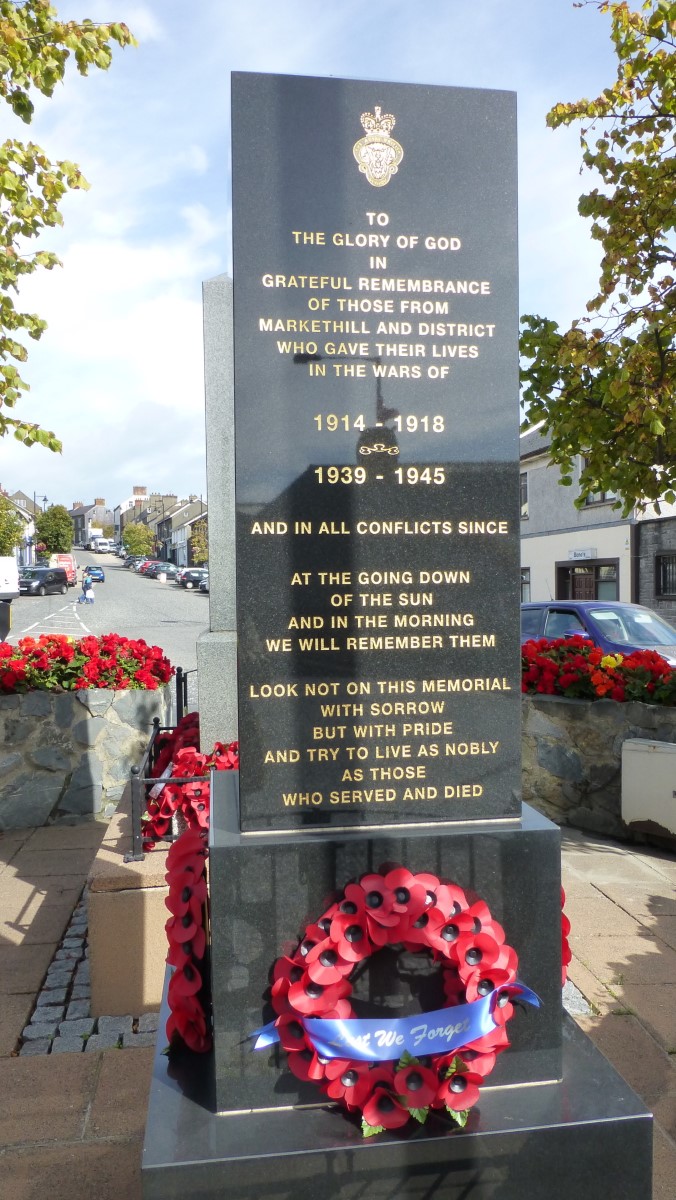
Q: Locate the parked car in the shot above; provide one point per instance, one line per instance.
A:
(203, 585)
(616, 627)
(145, 566)
(43, 581)
(97, 573)
(192, 576)
(167, 568)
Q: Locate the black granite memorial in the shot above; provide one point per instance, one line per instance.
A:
(376, 402)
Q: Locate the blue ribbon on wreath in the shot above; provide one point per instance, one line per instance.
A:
(439, 1032)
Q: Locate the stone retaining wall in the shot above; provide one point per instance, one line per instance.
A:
(572, 757)
(69, 754)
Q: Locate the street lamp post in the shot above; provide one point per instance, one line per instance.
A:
(35, 505)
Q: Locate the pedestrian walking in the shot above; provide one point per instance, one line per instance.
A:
(89, 590)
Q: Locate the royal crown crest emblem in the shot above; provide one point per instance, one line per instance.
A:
(378, 154)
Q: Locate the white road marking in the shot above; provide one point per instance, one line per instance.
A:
(71, 609)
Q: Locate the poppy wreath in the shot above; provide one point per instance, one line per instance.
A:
(187, 788)
(187, 993)
(421, 913)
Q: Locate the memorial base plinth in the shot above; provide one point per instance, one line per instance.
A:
(588, 1137)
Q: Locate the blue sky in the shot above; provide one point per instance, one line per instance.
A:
(119, 374)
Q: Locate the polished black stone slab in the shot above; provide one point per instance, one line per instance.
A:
(588, 1137)
(266, 888)
(376, 424)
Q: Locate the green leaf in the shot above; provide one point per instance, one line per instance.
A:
(420, 1114)
(460, 1118)
(370, 1130)
(407, 1060)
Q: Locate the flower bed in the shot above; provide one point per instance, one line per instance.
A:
(74, 717)
(574, 668)
(54, 662)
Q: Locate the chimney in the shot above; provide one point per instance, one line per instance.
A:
(138, 491)
(78, 504)
(99, 502)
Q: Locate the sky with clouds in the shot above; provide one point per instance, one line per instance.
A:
(119, 373)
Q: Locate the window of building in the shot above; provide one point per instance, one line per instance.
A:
(525, 585)
(598, 498)
(665, 575)
(523, 495)
(593, 581)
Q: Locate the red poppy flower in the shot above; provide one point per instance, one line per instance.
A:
(410, 896)
(444, 934)
(324, 964)
(384, 1109)
(353, 1081)
(306, 1064)
(189, 1023)
(292, 1035)
(188, 895)
(460, 1091)
(374, 897)
(486, 980)
(185, 981)
(313, 999)
(179, 952)
(350, 936)
(416, 1085)
(473, 950)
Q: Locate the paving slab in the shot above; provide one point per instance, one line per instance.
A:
(68, 1045)
(642, 902)
(634, 1053)
(75, 1171)
(87, 834)
(655, 1007)
(41, 863)
(595, 916)
(664, 1167)
(34, 922)
(119, 1107)
(14, 1014)
(619, 960)
(23, 968)
(50, 1098)
(52, 888)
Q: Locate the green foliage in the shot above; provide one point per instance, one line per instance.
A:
(55, 528)
(12, 528)
(108, 531)
(370, 1130)
(138, 538)
(460, 1118)
(199, 542)
(605, 388)
(35, 49)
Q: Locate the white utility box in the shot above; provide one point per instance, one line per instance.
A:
(649, 783)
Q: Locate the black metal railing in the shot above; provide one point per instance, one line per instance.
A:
(182, 691)
(142, 778)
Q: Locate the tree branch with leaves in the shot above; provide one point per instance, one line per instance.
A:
(36, 50)
(605, 388)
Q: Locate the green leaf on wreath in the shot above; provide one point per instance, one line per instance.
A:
(370, 1130)
(456, 1065)
(460, 1118)
(420, 1114)
(407, 1060)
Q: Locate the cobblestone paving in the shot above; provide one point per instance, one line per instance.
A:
(61, 1020)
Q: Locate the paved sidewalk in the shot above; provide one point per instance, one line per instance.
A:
(71, 1125)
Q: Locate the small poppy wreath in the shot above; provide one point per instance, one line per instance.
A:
(421, 913)
(187, 901)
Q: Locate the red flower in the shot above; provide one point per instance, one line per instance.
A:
(325, 965)
(384, 1109)
(461, 1090)
(314, 999)
(351, 936)
(416, 1085)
